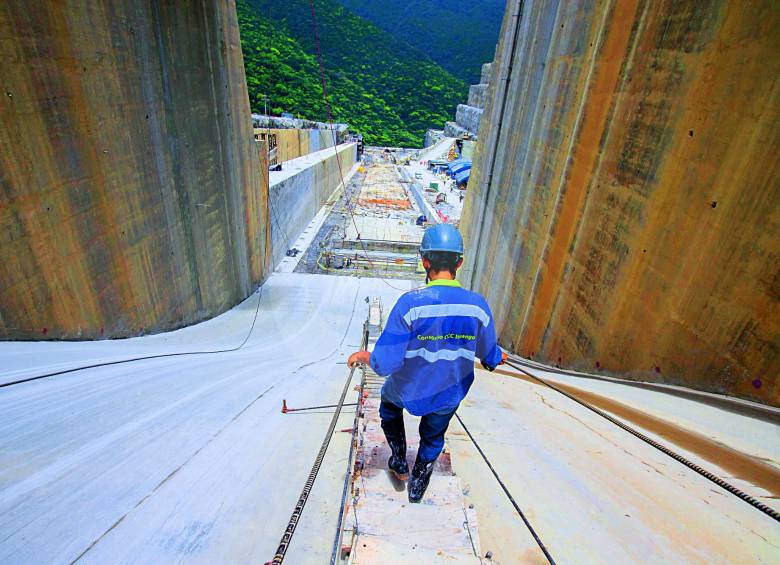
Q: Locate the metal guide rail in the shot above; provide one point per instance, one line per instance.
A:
(380, 525)
(370, 383)
(284, 543)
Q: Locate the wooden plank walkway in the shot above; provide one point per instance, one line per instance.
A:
(383, 526)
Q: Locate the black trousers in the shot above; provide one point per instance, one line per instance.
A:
(432, 429)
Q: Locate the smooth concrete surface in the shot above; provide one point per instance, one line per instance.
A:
(133, 195)
(190, 459)
(298, 191)
(623, 209)
(594, 493)
(186, 458)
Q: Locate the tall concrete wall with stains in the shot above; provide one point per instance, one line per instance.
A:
(132, 193)
(624, 207)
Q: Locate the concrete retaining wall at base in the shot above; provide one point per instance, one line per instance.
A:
(299, 190)
(452, 129)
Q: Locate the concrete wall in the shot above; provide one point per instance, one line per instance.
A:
(132, 196)
(300, 189)
(477, 95)
(625, 185)
(294, 143)
(452, 129)
(468, 117)
(487, 72)
(468, 149)
(422, 203)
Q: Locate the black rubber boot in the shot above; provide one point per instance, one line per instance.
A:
(421, 476)
(393, 426)
(397, 462)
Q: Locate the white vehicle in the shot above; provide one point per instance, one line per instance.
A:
(418, 175)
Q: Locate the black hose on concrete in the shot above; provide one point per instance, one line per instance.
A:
(145, 357)
(772, 513)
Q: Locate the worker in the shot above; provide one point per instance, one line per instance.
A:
(427, 351)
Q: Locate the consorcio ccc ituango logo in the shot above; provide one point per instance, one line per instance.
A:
(447, 336)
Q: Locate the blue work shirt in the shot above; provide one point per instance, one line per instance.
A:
(429, 344)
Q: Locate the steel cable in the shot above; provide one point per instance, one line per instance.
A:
(507, 493)
(292, 524)
(335, 139)
(347, 476)
(772, 513)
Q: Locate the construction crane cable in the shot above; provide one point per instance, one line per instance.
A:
(335, 139)
(292, 524)
(772, 513)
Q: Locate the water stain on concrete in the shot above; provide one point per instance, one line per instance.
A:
(736, 463)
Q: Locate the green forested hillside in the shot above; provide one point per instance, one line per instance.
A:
(384, 88)
(460, 36)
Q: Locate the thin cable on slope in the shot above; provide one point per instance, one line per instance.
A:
(259, 292)
(507, 493)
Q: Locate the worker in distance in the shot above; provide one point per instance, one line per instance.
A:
(427, 351)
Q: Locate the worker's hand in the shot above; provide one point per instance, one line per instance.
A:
(504, 357)
(358, 357)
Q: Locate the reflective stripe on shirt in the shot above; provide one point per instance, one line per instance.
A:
(446, 354)
(442, 310)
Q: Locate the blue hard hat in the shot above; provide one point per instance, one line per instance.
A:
(442, 237)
